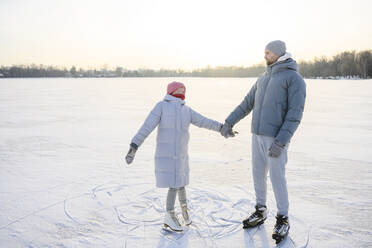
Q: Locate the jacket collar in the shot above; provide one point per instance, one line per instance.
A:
(169, 98)
(284, 57)
(284, 62)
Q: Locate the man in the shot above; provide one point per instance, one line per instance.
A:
(277, 100)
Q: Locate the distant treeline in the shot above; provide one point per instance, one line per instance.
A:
(346, 64)
(50, 71)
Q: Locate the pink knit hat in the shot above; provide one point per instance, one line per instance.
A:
(172, 87)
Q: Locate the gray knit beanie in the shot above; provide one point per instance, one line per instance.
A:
(277, 47)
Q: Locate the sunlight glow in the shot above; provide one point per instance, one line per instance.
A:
(176, 34)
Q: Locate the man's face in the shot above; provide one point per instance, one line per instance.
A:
(270, 57)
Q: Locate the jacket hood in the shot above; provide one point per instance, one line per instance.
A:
(285, 62)
(170, 98)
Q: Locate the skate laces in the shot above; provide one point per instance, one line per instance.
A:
(258, 213)
(174, 218)
(185, 214)
(281, 220)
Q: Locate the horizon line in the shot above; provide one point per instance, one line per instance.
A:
(112, 67)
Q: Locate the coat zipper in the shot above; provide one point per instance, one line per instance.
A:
(175, 142)
(262, 101)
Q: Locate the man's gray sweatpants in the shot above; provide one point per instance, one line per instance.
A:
(261, 164)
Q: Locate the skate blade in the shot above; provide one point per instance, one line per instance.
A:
(170, 229)
(188, 224)
(279, 238)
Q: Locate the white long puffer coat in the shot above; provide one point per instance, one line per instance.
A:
(173, 119)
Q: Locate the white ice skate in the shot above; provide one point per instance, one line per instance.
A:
(171, 222)
(185, 215)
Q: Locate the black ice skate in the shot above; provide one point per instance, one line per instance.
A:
(257, 218)
(281, 228)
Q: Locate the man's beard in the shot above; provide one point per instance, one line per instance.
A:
(269, 62)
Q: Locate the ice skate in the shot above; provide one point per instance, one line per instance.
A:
(185, 215)
(257, 218)
(281, 228)
(171, 222)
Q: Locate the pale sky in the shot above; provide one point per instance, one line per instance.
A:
(177, 34)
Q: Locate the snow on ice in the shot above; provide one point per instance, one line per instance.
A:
(64, 183)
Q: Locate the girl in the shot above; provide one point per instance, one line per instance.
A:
(173, 119)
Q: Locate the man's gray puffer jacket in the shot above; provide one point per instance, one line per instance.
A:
(277, 99)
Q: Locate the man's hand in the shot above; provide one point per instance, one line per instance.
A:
(276, 149)
(131, 153)
(226, 130)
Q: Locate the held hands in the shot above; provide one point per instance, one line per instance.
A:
(226, 131)
(276, 149)
(131, 153)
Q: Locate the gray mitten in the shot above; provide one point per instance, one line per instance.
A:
(131, 153)
(226, 130)
(276, 149)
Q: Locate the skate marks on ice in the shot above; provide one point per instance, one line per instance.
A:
(137, 210)
(210, 211)
(299, 233)
(261, 236)
(216, 218)
(114, 214)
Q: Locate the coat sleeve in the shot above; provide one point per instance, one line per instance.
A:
(296, 104)
(244, 108)
(149, 125)
(201, 121)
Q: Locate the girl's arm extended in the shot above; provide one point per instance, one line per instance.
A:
(201, 121)
(148, 126)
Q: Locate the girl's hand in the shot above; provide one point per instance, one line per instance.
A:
(131, 153)
(226, 130)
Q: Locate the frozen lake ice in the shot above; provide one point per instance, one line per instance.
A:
(63, 181)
